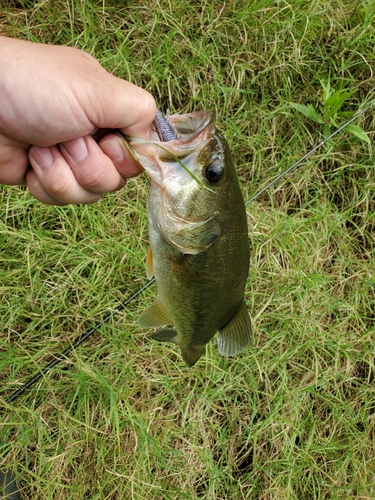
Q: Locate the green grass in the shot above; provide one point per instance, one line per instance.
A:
(294, 416)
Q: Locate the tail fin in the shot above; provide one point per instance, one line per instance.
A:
(191, 356)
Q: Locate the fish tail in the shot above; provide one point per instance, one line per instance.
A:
(190, 355)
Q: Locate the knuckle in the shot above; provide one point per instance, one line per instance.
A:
(93, 180)
(60, 188)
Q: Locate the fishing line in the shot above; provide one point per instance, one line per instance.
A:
(82, 338)
(75, 344)
(315, 148)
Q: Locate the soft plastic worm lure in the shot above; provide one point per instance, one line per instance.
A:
(163, 129)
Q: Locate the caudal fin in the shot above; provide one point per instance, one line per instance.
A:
(191, 356)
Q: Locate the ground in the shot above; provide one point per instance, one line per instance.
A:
(291, 418)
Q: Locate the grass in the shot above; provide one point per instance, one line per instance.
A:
(293, 417)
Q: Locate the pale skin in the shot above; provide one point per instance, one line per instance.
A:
(58, 111)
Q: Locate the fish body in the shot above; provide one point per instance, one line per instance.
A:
(199, 248)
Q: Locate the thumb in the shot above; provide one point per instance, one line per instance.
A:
(120, 104)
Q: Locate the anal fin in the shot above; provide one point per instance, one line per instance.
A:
(153, 316)
(235, 336)
(165, 335)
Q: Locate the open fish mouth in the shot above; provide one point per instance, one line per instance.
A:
(180, 127)
(177, 143)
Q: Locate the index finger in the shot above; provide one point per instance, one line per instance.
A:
(122, 105)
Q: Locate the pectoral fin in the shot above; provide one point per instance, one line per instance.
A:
(236, 335)
(153, 316)
(149, 264)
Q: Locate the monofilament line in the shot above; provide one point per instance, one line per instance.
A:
(82, 338)
(312, 151)
(75, 344)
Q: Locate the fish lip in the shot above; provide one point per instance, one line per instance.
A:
(202, 118)
(181, 123)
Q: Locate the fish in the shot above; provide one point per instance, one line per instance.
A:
(199, 247)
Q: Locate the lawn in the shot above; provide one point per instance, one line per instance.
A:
(122, 417)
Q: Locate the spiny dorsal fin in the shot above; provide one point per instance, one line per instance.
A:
(236, 335)
(153, 316)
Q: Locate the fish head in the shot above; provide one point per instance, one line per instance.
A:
(191, 181)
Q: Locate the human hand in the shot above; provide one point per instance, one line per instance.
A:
(53, 101)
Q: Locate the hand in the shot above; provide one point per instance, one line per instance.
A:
(53, 101)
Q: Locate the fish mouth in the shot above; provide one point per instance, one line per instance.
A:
(184, 130)
(179, 127)
(190, 136)
(186, 127)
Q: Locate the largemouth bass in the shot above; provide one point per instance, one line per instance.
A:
(199, 248)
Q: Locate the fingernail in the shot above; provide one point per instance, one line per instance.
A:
(113, 149)
(76, 148)
(42, 156)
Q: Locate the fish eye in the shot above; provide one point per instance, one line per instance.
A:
(214, 172)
